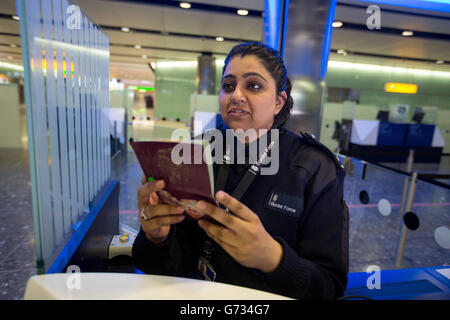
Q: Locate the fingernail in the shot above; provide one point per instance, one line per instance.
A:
(201, 205)
(159, 183)
(221, 195)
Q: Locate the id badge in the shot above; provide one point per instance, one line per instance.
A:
(206, 269)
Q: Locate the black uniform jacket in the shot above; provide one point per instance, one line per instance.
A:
(301, 206)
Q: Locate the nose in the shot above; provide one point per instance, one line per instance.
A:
(238, 97)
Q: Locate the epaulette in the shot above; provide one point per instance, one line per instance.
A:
(311, 139)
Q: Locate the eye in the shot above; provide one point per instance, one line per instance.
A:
(255, 86)
(227, 86)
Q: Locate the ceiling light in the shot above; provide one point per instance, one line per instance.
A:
(13, 45)
(242, 12)
(185, 5)
(401, 87)
(363, 67)
(342, 52)
(11, 66)
(337, 24)
(440, 61)
(15, 17)
(125, 29)
(137, 46)
(144, 56)
(220, 39)
(407, 33)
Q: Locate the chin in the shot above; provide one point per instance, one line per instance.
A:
(236, 125)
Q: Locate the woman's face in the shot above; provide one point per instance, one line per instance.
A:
(248, 96)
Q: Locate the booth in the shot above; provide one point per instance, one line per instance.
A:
(377, 141)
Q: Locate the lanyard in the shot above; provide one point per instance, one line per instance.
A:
(246, 180)
(208, 249)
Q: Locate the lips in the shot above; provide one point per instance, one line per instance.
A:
(237, 112)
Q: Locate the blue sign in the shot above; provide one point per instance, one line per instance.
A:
(391, 134)
(420, 135)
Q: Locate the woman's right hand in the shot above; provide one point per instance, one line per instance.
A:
(160, 216)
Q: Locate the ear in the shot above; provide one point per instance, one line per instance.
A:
(281, 100)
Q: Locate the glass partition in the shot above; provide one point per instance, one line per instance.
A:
(427, 233)
(396, 220)
(66, 81)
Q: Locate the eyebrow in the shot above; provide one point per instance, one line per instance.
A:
(245, 75)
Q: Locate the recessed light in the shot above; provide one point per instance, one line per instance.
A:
(13, 45)
(337, 24)
(15, 17)
(242, 12)
(10, 57)
(137, 46)
(185, 5)
(144, 56)
(440, 61)
(407, 33)
(342, 52)
(220, 39)
(125, 29)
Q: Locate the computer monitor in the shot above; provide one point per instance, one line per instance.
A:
(383, 115)
(399, 113)
(418, 115)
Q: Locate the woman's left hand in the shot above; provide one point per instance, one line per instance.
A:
(242, 235)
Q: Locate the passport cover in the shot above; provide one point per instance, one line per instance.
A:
(186, 183)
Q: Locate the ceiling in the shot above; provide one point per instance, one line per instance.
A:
(167, 32)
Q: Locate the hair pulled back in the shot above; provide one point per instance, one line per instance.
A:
(272, 61)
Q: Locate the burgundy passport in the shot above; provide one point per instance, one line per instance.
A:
(186, 168)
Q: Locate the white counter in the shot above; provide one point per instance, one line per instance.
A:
(124, 286)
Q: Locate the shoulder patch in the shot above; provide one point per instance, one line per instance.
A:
(311, 140)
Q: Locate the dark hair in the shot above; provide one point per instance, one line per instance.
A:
(272, 61)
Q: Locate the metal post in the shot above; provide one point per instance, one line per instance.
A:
(116, 147)
(306, 43)
(205, 78)
(401, 243)
(125, 143)
(409, 165)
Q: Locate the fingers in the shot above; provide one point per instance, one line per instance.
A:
(223, 236)
(145, 190)
(237, 207)
(160, 210)
(154, 199)
(162, 221)
(158, 228)
(221, 216)
(235, 221)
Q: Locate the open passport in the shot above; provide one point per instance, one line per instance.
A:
(186, 168)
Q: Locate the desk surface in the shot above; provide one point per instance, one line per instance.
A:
(123, 286)
(401, 284)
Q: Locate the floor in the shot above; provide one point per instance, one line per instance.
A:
(17, 257)
(373, 237)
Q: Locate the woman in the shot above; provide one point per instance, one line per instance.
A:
(288, 232)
